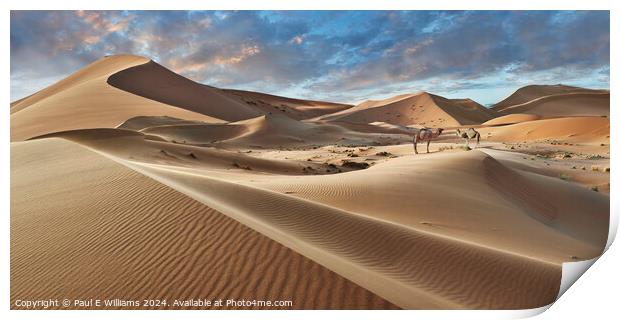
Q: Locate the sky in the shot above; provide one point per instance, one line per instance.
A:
(341, 56)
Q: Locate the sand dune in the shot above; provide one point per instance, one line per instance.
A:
(421, 109)
(152, 81)
(532, 92)
(576, 129)
(512, 118)
(278, 130)
(390, 259)
(269, 131)
(93, 228)
(295, 108)
(567, 104)
(99, 68)
(85, 100)
(136, 146)
(143, 122)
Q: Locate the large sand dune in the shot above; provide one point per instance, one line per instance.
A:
(85, 100)
(83, 226)
(556, 101)
(421, 109)
(568, 104)
(533, 92)
(576, 129)
(152, 81)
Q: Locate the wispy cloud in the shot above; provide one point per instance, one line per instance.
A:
(342, 55)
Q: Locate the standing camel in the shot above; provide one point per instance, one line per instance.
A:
(425, 134)
(470, 133)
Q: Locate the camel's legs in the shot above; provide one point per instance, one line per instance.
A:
(415, 144)
(477, 140)
(466, 142)
(428, 144)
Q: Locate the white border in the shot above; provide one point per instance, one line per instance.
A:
(596, 296)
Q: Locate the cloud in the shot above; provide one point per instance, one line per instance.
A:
(341, 55)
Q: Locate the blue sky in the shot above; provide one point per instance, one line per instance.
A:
(345, 56)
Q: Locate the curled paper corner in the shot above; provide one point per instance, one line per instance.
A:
(571, 271)
(528, 313)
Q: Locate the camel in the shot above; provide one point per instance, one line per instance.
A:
(471, 133)
(425, 134)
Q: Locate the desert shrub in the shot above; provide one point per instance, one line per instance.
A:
(355, 165)
(384, 154)
(240, 166)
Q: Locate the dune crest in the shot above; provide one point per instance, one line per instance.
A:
(420, 108)
(114, 233)
(153, 81)
(89, 102)
(532, 92)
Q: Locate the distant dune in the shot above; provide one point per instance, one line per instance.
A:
(295, 108)
(512, 118)
(531, 92)
(582, 129)
(555, 101)
(128, 180)
(421, 108)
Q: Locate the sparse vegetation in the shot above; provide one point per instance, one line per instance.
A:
(594, 188)
(564, 177)
(383, 154)
(355, 165)
(244, 167)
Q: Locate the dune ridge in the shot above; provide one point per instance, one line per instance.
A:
(89, 102)
(113, 233)
(153, 81)
(297, 109)
(566, 104)
(421, 108)
(532, 92)
(345, 246)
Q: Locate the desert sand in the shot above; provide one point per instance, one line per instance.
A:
(157, 186)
